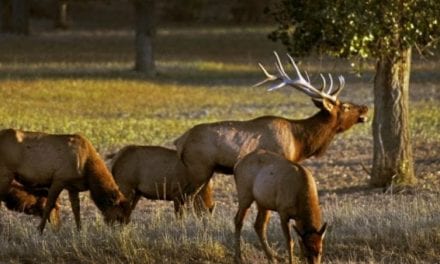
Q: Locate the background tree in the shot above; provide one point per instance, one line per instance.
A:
(14, 16)
(383, 30)
(60, 20)
(145, 15)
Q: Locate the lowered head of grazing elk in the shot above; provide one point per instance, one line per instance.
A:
(155, 173)
(59, 162)
(277, 184)
(210, 147)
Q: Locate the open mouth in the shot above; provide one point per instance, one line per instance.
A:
(363, 119)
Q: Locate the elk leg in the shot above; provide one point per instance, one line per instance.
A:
(135, 201)
(286, 231)
(239, 217)
(198, 175)
(6, 178)
(178, 208)
(204, 201)
(5, 183)
(54, 218)
(260, 227)
(54, 191)
(74, 203)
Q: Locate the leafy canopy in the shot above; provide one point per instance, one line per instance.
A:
(362, 29)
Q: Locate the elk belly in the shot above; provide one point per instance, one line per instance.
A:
(265, 188)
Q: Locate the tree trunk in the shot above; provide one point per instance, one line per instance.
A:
(61, 15)
(145, 30)
(6, 15)
(392, 158)
(14, 16)
(20, 17)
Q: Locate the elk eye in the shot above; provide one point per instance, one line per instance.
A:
(346, 107)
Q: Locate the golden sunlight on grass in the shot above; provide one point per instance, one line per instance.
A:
(81, 81)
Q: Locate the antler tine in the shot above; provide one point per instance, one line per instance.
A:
(270, 77)
(340, 86)
(300, 82)
(292, 61)
(330, 88)
(276, 86)
(323, 82)
(280, 67)
(307, 75)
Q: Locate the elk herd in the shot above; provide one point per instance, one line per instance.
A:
(263, 154)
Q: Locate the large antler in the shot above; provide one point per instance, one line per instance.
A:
(300, 82)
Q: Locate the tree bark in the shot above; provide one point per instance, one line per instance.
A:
(14, 16)
(20, 17)
(61, 15)
(145, 31)
(392, 157)
(6, 15)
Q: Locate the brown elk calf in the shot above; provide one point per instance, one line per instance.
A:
(277, 184)
(216, 147)
(155, 173)
(31, 202)
(59, 162)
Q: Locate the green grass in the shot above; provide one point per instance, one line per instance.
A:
(82, 82)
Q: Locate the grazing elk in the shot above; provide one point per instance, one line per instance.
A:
(277, 184)
(59, 162)
(31, 202)
(155, 173)
(216, 147)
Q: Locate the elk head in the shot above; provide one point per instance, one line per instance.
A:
(118, 212)
(325, 98)
(311, 244)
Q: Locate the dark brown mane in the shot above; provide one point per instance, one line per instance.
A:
(310, 220)
(315, 133)
(103, 189)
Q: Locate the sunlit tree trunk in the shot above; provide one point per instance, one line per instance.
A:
(61, 14)
(145, 31)
(392, 158)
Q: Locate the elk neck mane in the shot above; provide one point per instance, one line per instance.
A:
(103, 188)
(314, 133)
(310, 213)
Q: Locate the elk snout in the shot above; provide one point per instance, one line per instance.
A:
(363, 114)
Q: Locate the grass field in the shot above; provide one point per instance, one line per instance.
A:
(81, 81)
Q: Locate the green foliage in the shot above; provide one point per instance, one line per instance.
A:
(360, 29)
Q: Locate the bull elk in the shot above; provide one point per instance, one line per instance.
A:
(216, 147)
(155, 173)
(59, 162)
(277, 184)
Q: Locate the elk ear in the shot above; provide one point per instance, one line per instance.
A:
(324, 104)
(321, 231)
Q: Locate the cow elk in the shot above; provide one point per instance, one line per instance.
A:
(216, 147)
(277, 184)
(154, 173)
(59, 162)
